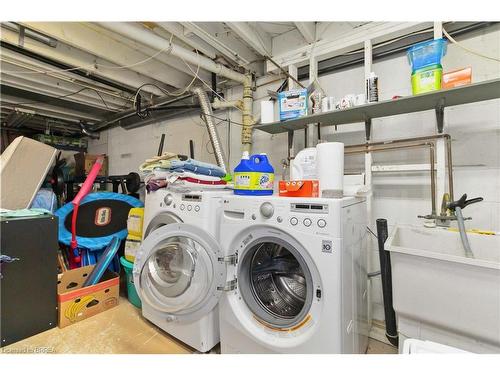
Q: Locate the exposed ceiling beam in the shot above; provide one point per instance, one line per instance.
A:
(81, 36)
(326, 48)
(31, 97)
(308, 30)
(24, 75)
(30, 100)
(50, 90)
(224, 49)
(36, 119)
(154, 41)
(18, 64)
(74, 57)
(260, 41)
(172, 62)
(165, 28)
(47, 114)
(46, 109)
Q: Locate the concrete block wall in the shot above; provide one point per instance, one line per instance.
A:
(475, 130)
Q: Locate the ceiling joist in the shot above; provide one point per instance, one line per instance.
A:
(308, 30)
(260, 41)
(81, 36)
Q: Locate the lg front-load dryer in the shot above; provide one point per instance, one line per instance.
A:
(179, 270)
(299, 282)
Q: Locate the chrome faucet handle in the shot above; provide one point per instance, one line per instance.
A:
(463, 202)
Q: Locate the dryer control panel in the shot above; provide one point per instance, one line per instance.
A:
(185, 203)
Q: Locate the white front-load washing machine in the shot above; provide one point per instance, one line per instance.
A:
(179, 270)
(298, 282)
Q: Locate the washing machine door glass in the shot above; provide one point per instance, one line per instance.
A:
(275, 281)
(181, 272)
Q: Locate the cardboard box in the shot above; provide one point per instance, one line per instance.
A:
(76, 303)
(299, 188)
(456, 78)
(23, 167)
(85, 162)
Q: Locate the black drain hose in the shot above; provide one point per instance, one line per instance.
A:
(391, 331)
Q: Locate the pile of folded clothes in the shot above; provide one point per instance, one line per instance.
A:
(181, 173)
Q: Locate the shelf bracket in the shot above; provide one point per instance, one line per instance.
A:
(368, 129)
(440, 116)
(290, 145)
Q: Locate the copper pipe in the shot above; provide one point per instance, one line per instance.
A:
(381, 146)
(432, 138)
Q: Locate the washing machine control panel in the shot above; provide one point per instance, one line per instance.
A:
(267, 209)
(300, 216)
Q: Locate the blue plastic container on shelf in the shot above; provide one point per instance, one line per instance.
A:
(254, 176)
(428, 53)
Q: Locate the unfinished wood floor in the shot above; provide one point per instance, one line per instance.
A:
(121, 330)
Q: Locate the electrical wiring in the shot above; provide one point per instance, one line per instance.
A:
(369, 230)
(210, 88)
(208, 142)
(468, 49)
(224, 120)
(201, 79)
(177, 94)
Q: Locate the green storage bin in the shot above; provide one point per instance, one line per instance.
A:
(132, 295)
(427, 79)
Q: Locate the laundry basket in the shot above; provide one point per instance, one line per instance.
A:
(132, 295)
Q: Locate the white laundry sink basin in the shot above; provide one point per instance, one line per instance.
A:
(441, 295)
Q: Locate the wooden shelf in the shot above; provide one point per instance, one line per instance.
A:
(437, 100)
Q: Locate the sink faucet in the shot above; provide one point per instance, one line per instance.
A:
(445, 216)
(457, 207)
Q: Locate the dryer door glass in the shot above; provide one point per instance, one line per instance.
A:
(180, 273)
(276, 282)
(161, 220)
(171, 267)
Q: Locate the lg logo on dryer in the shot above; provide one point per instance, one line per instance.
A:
(327, 246)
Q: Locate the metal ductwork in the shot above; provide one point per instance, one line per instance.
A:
(206, 109)
(87, 132)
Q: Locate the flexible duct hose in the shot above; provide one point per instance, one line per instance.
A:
(206, 108)
(463, 233)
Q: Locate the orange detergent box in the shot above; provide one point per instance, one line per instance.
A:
(455, 78)
(299, 188)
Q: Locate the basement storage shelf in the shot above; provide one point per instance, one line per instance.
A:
(437, 100)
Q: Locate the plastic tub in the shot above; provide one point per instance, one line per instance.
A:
(427, 53)
(441, 295)
(427, 79)
(132, 295)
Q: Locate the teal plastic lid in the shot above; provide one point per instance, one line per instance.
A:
(126, 263)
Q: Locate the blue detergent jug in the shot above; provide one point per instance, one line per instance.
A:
(254, 175)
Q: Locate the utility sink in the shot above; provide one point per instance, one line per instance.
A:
(441, 295)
